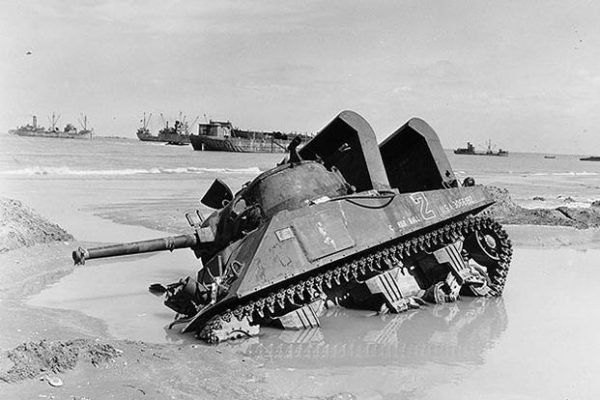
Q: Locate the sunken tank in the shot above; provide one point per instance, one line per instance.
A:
(342, 221)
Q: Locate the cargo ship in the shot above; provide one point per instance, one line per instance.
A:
(69, 131)
(591, 158)
(470, 151)
(223, 136)
(178, 134)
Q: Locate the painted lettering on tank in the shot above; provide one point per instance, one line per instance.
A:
(402, 223)
(445, 209)
(421, 200)
(456, 204)
(412, 220)
(463, 202)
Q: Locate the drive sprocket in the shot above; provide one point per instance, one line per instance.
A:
(490, 247)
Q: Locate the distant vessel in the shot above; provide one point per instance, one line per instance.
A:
(550, 157)
(470, 150)
(69, 131)
(591, 158)
(223, 136)
(179, 134)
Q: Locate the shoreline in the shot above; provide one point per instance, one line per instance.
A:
(155, 215)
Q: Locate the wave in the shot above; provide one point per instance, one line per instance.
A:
(528, 173)
(568, 173)
(33, 171)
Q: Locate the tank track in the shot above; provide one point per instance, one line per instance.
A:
(363, 267)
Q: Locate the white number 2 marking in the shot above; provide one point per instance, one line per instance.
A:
(420, 199)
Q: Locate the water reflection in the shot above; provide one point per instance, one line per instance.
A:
(459, 332)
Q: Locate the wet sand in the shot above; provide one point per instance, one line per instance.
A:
(538, 341)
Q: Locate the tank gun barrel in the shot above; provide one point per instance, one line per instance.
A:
(144, 246)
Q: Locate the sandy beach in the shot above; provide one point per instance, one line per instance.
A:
(98, 329)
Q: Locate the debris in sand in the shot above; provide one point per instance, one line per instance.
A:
(342, 396)
(506, 211)
(33, 359)
(21, 226)
(567, 199)
(54, 381)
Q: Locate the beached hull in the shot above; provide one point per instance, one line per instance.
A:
(238, 145)
(165, 138)
(50, 134)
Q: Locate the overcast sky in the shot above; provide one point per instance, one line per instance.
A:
(525, 74)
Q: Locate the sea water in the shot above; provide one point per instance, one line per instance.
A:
(560, 180)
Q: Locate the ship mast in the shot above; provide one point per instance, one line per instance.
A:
(193, 123)
(182, 123)
(146, 122)
(83, 122)
(53, 121)
(165, 122)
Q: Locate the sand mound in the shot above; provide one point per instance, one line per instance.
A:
(21, 226)
(506, 211)
(33, 359)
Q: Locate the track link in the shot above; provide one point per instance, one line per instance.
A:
(363, 267)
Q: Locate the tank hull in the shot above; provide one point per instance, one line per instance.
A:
(311, 240)
(327, 233)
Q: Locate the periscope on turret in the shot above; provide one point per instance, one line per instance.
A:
(344, 222)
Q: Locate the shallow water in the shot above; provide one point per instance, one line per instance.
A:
(116, 292)
(538, 341)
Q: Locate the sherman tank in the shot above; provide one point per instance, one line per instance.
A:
(341, 221)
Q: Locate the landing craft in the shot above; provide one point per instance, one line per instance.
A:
(342, 221)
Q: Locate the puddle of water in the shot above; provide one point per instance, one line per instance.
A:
(538, 341)
(116, 291)
(454, 333)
